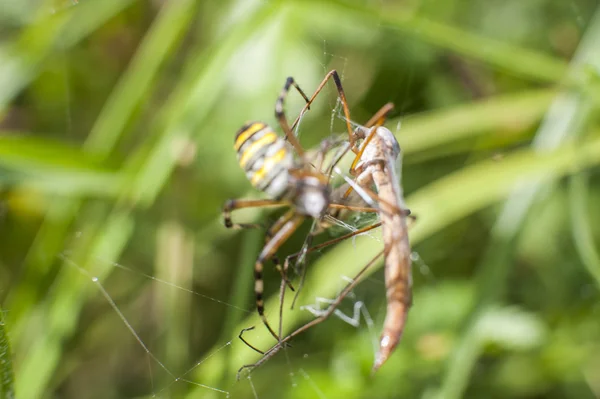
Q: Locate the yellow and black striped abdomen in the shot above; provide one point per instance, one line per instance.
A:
(265, 157)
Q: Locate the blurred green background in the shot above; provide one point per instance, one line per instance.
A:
(117, 119)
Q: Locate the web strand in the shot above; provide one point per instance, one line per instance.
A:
(151, 357)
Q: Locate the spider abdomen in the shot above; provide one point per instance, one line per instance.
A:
(265, 157)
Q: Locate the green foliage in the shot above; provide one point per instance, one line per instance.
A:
(6, 371)
(117, 118)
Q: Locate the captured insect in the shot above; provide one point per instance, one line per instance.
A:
(377, 164)
(281, 169)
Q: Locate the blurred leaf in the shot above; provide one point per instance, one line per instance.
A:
(54, 168)
(511, 328)
(435, 315)
(511, 112)
(23, 152)
(21, 60)
(580, 222)
(512, 59)
(174, 18)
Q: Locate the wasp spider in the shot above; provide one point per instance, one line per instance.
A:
(281, 169)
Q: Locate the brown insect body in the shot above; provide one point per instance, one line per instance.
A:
(377, 166)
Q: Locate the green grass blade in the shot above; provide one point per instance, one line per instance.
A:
(54, 168)
(22, 152)
(506, 57)
(21, 60)
(582, 231)
(511, 112)
(6, 371)
(173, 19)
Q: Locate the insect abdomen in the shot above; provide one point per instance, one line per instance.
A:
(265, 157)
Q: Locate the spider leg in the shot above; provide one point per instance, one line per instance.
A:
(359, 185)
(281, 118)
(305, 251)
(232, 205)
(280, 112)
(342, 96)
(241, 337)
(269, 235)
(330, 310)
(376, 120)
(330, 242)
(301, 260)
(362, 183)
(228, 208)
(380, 116)
(267, 253)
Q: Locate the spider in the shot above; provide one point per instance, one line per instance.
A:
(289, 180)
(374, 165)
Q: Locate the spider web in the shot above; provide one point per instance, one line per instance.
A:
(152, 359)
(164, 377)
